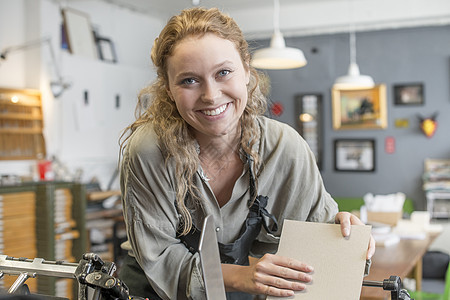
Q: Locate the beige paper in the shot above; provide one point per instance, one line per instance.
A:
(338, 262)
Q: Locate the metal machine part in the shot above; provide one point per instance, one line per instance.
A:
(93, 272)
(393, 284)
(90, 272)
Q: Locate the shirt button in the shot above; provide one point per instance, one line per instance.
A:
(217, 229)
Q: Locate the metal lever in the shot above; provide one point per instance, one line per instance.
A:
(393, 284)
(367, 267)
(19, 282)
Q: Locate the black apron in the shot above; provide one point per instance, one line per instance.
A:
(233, 253)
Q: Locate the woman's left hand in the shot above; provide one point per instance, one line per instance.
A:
(347, 219)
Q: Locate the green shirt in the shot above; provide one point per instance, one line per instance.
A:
(288, 176)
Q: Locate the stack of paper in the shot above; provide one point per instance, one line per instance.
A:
(64, 236)
(18, 230)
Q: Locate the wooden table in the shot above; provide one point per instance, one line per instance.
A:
(401, 260)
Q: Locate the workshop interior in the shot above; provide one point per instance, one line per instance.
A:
(366, 83)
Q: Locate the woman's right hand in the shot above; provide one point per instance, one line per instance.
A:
(270, 275)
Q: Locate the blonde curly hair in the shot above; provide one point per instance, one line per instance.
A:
(175, 137)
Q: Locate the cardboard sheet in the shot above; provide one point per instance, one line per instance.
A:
(338, 262)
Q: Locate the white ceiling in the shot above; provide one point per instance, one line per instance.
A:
(305, 17)
(171, 7)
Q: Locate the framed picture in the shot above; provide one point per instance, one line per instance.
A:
(78, 30)
(308, 109)
(359, 108)
(354, 155)
(409, 94)
(106, 49)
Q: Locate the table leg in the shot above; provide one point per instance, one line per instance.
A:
(418, 275)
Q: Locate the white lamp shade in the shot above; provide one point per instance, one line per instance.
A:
(278, 56)
(354, 80)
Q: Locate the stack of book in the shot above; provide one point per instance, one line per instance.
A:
(436, 184)
(18, 230)
(437, 175)
(65, 233)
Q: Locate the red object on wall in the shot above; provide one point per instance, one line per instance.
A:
(45, 170)
(389, 145)
(276, 109)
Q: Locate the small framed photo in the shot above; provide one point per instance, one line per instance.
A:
(106, 49)
(354, 155)
(359, 108)
(409, 94)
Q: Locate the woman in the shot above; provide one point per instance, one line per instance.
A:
(203, 147)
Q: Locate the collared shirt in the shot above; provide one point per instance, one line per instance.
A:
(288, 176)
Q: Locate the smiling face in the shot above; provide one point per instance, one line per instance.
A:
(208, 82)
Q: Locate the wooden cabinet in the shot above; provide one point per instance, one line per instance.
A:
(60, 225)
(21, 125)
(49, 223)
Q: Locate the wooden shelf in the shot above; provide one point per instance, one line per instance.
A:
(21, 130)
(20, 116)
(105, 222)
(107, 213)
(101, 195)
(21, 125)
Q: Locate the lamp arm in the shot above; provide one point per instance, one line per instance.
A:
(53, 58)
(25, 46)
(47, 41)
(31, 44)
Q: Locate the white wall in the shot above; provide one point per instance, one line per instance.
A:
(12, 33)
(86, 136)
(81, 136)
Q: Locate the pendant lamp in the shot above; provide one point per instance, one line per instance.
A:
(278, 56)
(353, 79)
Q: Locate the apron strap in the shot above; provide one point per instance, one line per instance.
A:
(256, 217)
(262, 202)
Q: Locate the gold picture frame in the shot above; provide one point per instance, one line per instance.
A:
(359, 108)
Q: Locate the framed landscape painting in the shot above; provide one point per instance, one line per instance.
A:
(359, 108)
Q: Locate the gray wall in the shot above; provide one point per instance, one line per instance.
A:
(390, 57)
